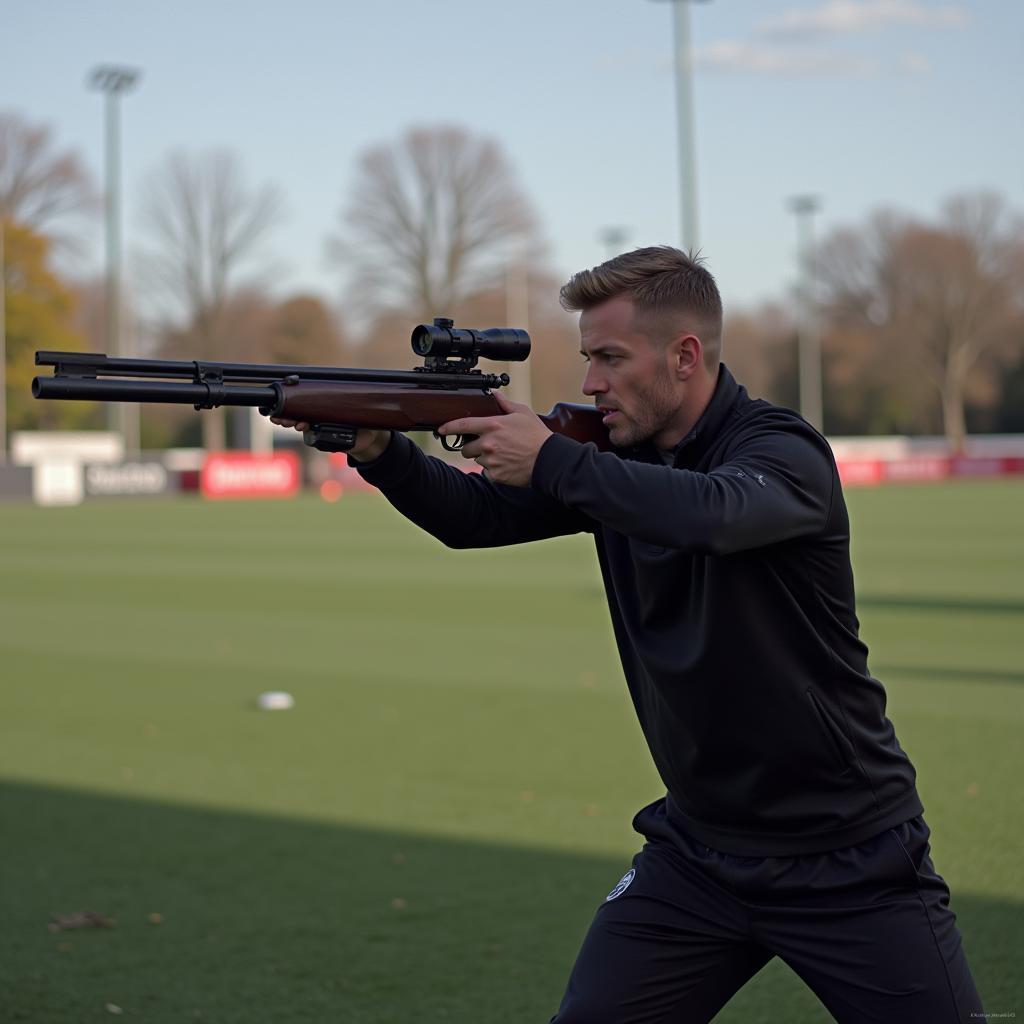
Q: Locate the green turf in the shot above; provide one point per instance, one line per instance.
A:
(425, 837)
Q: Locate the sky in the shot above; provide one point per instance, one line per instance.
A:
(863, 103)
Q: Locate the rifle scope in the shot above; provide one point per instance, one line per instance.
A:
(441, 340)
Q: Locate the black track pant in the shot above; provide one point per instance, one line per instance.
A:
(867, 927)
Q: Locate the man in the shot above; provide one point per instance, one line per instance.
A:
(791, 826)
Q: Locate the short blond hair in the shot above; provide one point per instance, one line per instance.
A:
(667, 287)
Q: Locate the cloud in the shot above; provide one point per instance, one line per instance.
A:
(840, 17)
(914, 64)
(769, 59)
(761, 59)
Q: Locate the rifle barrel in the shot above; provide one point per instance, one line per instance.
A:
(82, 389)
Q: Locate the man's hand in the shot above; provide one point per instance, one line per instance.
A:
(370, 444)
(506, 446)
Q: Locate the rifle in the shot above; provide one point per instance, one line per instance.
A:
(335, 401)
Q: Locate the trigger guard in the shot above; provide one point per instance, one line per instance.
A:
(456, 447)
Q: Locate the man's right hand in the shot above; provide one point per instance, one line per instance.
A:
(370, 444)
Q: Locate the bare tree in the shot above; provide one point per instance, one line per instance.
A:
(38, 185)
(759, 347)
(932, 298)
(204, 228)
(303, 330)
(433, 218)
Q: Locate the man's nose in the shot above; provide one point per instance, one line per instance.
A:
(592, 382)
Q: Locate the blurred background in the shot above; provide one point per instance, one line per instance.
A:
(304, 182)
(300, 183)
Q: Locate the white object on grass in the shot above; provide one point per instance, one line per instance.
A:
(275, 700)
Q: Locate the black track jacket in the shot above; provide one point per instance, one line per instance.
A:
(731, 595)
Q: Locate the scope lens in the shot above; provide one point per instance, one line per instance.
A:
(423, 338)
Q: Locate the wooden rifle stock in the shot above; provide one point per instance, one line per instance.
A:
(407, 407)
(580, 422)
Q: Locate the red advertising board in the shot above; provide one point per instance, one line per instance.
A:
(925, 468)
(245, 475)
(855, 472)
(977, 467)
(917, 470)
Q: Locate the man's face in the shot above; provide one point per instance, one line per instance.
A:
(629, 377)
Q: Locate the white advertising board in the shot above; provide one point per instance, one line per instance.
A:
(30, 447)
(57, 482)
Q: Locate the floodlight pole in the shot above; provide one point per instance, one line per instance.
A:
(517, 312)
(614, 238)
(689, 229)
(689, 232)
(113, 80)
(3, 341)
(809, 340)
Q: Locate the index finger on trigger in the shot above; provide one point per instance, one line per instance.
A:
(471, 425)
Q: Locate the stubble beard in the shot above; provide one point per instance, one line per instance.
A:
(655, 409)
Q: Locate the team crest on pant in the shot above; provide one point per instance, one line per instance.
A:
(622, 886)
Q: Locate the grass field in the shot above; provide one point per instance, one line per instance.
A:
(426, 835)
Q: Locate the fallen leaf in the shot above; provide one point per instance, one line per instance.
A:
(155, 918)
(79, 919)
(398, 903)
(113, 1008)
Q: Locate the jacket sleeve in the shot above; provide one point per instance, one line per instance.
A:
(465, 510)
(776, 484)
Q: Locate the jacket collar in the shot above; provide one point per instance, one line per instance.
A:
(726, 395)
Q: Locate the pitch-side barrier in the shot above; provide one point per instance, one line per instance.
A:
(67, 469)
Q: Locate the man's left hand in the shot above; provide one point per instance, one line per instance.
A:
(506, 446)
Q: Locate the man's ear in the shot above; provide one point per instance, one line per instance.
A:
(685, 354)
